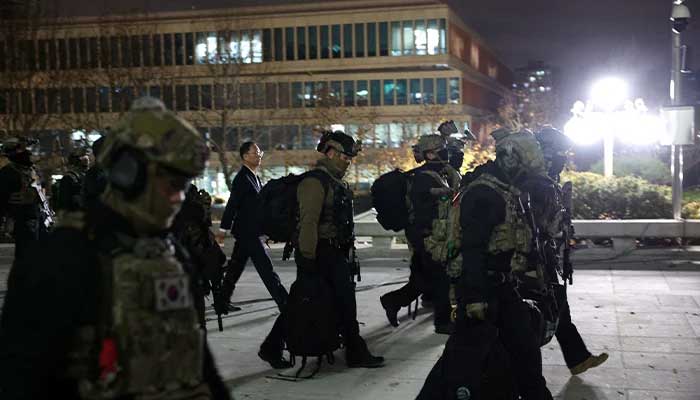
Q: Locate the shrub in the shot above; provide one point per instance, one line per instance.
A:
(643, 166)
(627, 197)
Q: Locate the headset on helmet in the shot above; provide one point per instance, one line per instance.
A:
(339, 141)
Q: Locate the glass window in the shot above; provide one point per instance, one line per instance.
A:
(65, 100)
(325, 43)
(52, 55)
(39, 101)
(83, 48)
(247, 99)
(73, 53)
(232, 96)
(381, 136)
(297, 95)
(408, 38)
(52, 100)
(313, 43)
(362, 93)
(454, 90)
(270, 95)
(371, 39)
(3, 57)
(348, 93)
(388, 92)
(301, 43)
(282, 138)
(400, 91)
(167, 49)
(334, 93)
(62, 55)
(375, 92)
(180, 97)
(279, 44)
(168, 96)
(309, 139)
(433, 37)
(257, 46)
(267, 44)
(421, 38)
(103, 98)
(147, 54)
(383, 38)
(428, 91)
(179, 49)
(283, 93)
(442, 91)
(193, 97)
(154, 91)
(200, 48)
(246, 48)
(289, 40)
(219, 97)
(125, 51)
(26, 101)
(416, 94)
(359, 40)
(205, 93)
(104, 52)
(42, 54)
(335, 41)
(92, 52)
(157, 50)
(91, 99)
(396, 38)
(443, 38)
(78, 102)
(347, 40)
(189, 48)
(309, 94)
(259, 95)
(136, 51)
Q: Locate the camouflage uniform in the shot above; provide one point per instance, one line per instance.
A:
(123, 324)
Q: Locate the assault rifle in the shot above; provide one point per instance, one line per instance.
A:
(354, 263)
(567, 233)
(46, 210)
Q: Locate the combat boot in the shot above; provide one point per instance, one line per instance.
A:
(591, 362)
(357, 355)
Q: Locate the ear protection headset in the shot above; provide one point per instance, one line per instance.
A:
(127, 171)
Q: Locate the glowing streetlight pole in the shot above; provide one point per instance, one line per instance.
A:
(609, 93)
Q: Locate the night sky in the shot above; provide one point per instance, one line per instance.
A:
(583, 39)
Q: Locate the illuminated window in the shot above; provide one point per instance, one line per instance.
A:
(396, 38)
(421, 38)
(428, 91)
(416, 94)
(401, 92)
(433, 37)
(257, 46)
(348, 93)
(246, 48)
(234, 47)
(441, 91)
(375, 89)
(389, 92)
(408, 38)
(454, 90)
(362, 93)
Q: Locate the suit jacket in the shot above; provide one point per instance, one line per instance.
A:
(242, 213)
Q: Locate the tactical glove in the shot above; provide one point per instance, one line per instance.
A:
(477, 311)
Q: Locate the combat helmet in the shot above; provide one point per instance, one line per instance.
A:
(552, 141)
(156, 135)
(431, 143)
(518, 153)
(339, 141)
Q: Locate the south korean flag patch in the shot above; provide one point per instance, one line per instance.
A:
(172, 293)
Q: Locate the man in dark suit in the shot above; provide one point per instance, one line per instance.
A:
(241, 217)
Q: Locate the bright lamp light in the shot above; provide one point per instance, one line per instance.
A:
(609, 93)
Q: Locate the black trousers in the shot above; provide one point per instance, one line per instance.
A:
(253, 248)
(26, 233)
(572, 346)
(335, 270)
(428, 278)
(511, 316)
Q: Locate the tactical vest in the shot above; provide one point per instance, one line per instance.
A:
(436, 242)
(147, 343)
(27, 194)
(336, 220)
(514, 233)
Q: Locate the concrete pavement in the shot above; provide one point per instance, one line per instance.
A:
(642, 308)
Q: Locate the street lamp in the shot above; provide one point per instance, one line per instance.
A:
(608, 93)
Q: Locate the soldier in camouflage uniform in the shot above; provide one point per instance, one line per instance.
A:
(95, 180)
(549, 209)
(123, 324)
(22, 202)
(496, 246)
(431, 189)
(70, 187)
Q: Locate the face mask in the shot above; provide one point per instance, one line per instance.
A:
(443, 154)
(339, 164)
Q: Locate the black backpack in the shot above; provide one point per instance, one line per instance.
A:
(311, 325)
(279, 205)
(473, 366)
(389, 199)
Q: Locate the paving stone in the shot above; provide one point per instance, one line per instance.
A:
(657, 330)
(684, 381)
(631, 317)
(656, 395)
(661, 361)
(661, 345)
